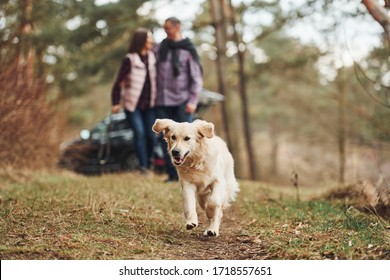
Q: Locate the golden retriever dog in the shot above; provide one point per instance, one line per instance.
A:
(205, 168)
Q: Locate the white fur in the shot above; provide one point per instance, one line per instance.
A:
(205, 168)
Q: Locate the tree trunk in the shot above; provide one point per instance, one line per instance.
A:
(25, 52)
(274, 147)
(220, 42)
(342, 125)
(244, 101)
(229, 111)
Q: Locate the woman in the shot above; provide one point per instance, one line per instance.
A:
(136, 86)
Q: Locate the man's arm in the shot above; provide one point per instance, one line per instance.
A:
(196, 85)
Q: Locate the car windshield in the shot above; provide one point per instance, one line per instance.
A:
(115, 124)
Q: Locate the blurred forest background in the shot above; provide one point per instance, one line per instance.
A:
(293, 108)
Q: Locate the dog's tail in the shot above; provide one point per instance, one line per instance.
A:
(233, 188)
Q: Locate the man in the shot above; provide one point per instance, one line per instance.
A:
(179, 80)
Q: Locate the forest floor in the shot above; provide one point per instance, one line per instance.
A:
(55, 214)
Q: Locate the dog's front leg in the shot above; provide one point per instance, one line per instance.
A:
(214, 210)
(189, 201)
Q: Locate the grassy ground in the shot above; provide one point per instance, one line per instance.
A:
(61, 215)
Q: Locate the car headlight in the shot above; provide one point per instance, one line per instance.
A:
(85, 134)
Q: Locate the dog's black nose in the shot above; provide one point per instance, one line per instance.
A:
(175, 153)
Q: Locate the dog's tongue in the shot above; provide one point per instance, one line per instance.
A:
(178, 160)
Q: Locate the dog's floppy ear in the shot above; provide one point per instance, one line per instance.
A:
(161, 124)
(205, 129)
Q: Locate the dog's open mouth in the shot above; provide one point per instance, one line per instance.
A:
(179, 160)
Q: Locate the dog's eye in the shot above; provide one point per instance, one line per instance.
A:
(187, 138)
(173, 137)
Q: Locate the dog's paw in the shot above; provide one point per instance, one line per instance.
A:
(191, 226)
(210, 233)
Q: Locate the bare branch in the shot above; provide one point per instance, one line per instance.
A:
(380, 14)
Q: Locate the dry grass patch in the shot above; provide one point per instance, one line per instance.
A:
(367, 196)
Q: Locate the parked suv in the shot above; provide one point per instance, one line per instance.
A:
(109, 146)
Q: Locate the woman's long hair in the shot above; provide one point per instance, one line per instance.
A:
(138, 40)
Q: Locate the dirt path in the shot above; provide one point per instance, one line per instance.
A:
(234, 243)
